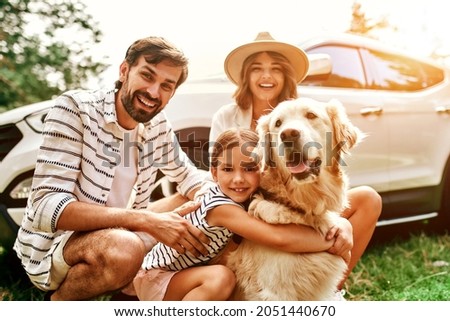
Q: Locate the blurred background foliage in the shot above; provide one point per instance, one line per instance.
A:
(44, 49)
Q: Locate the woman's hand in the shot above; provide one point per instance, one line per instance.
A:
(342, 232)
(187, 208)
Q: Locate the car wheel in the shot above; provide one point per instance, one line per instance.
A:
(194, 143)
(162, 187)
(444, 213)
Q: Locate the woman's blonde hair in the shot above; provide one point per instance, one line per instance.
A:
(235, 137)
(243, 94)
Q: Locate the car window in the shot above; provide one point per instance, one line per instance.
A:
(396, 72)
(347, 70)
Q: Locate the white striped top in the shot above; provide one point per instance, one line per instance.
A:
(77, 162)
(162, 256)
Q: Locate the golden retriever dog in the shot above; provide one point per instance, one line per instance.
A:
(302, 143)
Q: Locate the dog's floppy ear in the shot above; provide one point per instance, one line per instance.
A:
(265, 141)
(345, 134)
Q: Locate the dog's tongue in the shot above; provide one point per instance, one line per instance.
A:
(296, 168)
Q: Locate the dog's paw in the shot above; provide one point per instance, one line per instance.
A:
(254, 204)
(323, 223)
(273, 213)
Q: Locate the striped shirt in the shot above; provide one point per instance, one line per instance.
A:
(163, 257)
(77, 162)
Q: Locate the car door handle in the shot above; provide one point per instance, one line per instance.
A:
(367, 111)
(443, 110)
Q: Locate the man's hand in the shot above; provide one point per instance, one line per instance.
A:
(342, 232)
(173, 230)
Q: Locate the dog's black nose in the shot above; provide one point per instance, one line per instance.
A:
(289, 134)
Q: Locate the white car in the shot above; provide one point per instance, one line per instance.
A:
(400, 102)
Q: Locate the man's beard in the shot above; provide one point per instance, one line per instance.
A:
(139, 115)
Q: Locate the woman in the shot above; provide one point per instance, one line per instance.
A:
(267, 72)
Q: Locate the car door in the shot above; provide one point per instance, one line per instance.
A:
(413, 93)
(348, 82)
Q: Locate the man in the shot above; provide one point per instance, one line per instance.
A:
(87, 224)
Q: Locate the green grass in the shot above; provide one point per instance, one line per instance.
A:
(414, 270)
(417, 269)
(14, 285)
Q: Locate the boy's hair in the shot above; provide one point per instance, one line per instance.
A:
(156, 50)
(234, 137)
(243, 94)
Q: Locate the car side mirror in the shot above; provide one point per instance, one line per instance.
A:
(319, 65)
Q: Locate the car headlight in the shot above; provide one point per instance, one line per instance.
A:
(36, 120)
(22, 190)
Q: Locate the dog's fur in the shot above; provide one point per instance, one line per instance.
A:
(302, 143)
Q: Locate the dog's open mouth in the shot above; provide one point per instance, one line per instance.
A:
(301, 168)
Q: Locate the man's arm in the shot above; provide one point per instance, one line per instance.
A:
(58, 164)
(169, 227)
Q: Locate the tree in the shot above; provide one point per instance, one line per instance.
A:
(44, 49)
(437, 47)
(363, 26)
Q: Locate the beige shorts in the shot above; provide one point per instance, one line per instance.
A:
(59, 268)
(152, 285)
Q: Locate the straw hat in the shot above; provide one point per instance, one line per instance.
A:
(264, 42)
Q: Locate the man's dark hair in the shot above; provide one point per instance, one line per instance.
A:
(156, 50)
